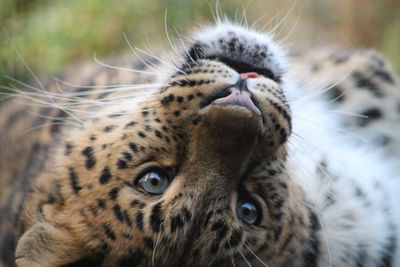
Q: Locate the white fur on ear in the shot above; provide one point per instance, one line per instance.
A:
(45, 245)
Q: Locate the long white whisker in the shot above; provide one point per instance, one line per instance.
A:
(120, 68)
(248, 263)
(255, 255)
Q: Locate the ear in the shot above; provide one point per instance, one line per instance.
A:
(45, 245)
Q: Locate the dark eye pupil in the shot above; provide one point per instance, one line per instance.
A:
(154, 181)
(246, 211)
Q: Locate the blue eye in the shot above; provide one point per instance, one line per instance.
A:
(153, 182)
(247, 211)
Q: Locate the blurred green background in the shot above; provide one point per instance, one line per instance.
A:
(50, 34)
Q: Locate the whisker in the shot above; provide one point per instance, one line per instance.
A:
(255, 255)
(120, 68)
(248, 263)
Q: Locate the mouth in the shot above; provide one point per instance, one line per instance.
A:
(239, 98)
(237, 95)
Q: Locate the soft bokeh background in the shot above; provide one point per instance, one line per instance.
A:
(50, 34)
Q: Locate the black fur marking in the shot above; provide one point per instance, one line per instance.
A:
(127, 156)
(176, 222)
(114, 193)
(110, 128)
(363, 82)
(130, 124)
(68, 149)
(105, 176)
(149, 243)
(133, 259)
(277, 233)
(57, 122)
(90, 160)
(139, 220)
(311, 254)
(127, 218)
(156, 218)
(109, 232)
(385, 76)
(133, 147)
(177, 113)
(335, 94)
(166, 100)
(234, 239)
(101, 203)
(118, 213)
(158, 134)
(122, 164)
(141, 134)
(74, 180)
(372, 114)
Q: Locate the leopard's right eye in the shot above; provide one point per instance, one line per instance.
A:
(153, 182)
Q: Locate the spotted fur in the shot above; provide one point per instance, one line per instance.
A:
(319, 165)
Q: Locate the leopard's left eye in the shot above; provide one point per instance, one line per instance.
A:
(154, 182)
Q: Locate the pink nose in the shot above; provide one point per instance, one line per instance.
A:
(248, 75)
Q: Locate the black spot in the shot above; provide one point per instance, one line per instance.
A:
(311, 251)
(118, 213)
(101, 203)
(366, 83)
(158, 134)
(74, 180)
(114, 193)
(176, 222)
(133, 259)
(105, 176)
(190, 97)
(68, 149)
(177, 113)
(130, 124)
(335, 94)
(179, 99)
(234, 239)
(141, 134)
(109, 128)
(156, 218)
(186, 213)
(93, 137)
(384, 76)
(166, 100)
(127, 218)
(90, 160)
(127, 156)
(196, 120)
(148, 242)
(133, 147)
(288, 238)
(145, 113)
(371, 114)
(122, 164)
(109, 232)
(139, 220)
(277, 233)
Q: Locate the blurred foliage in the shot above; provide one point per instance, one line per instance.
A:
(52, 34)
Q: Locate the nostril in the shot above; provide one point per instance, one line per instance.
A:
(248, 75)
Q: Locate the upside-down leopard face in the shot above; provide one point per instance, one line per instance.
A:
(196, 175)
